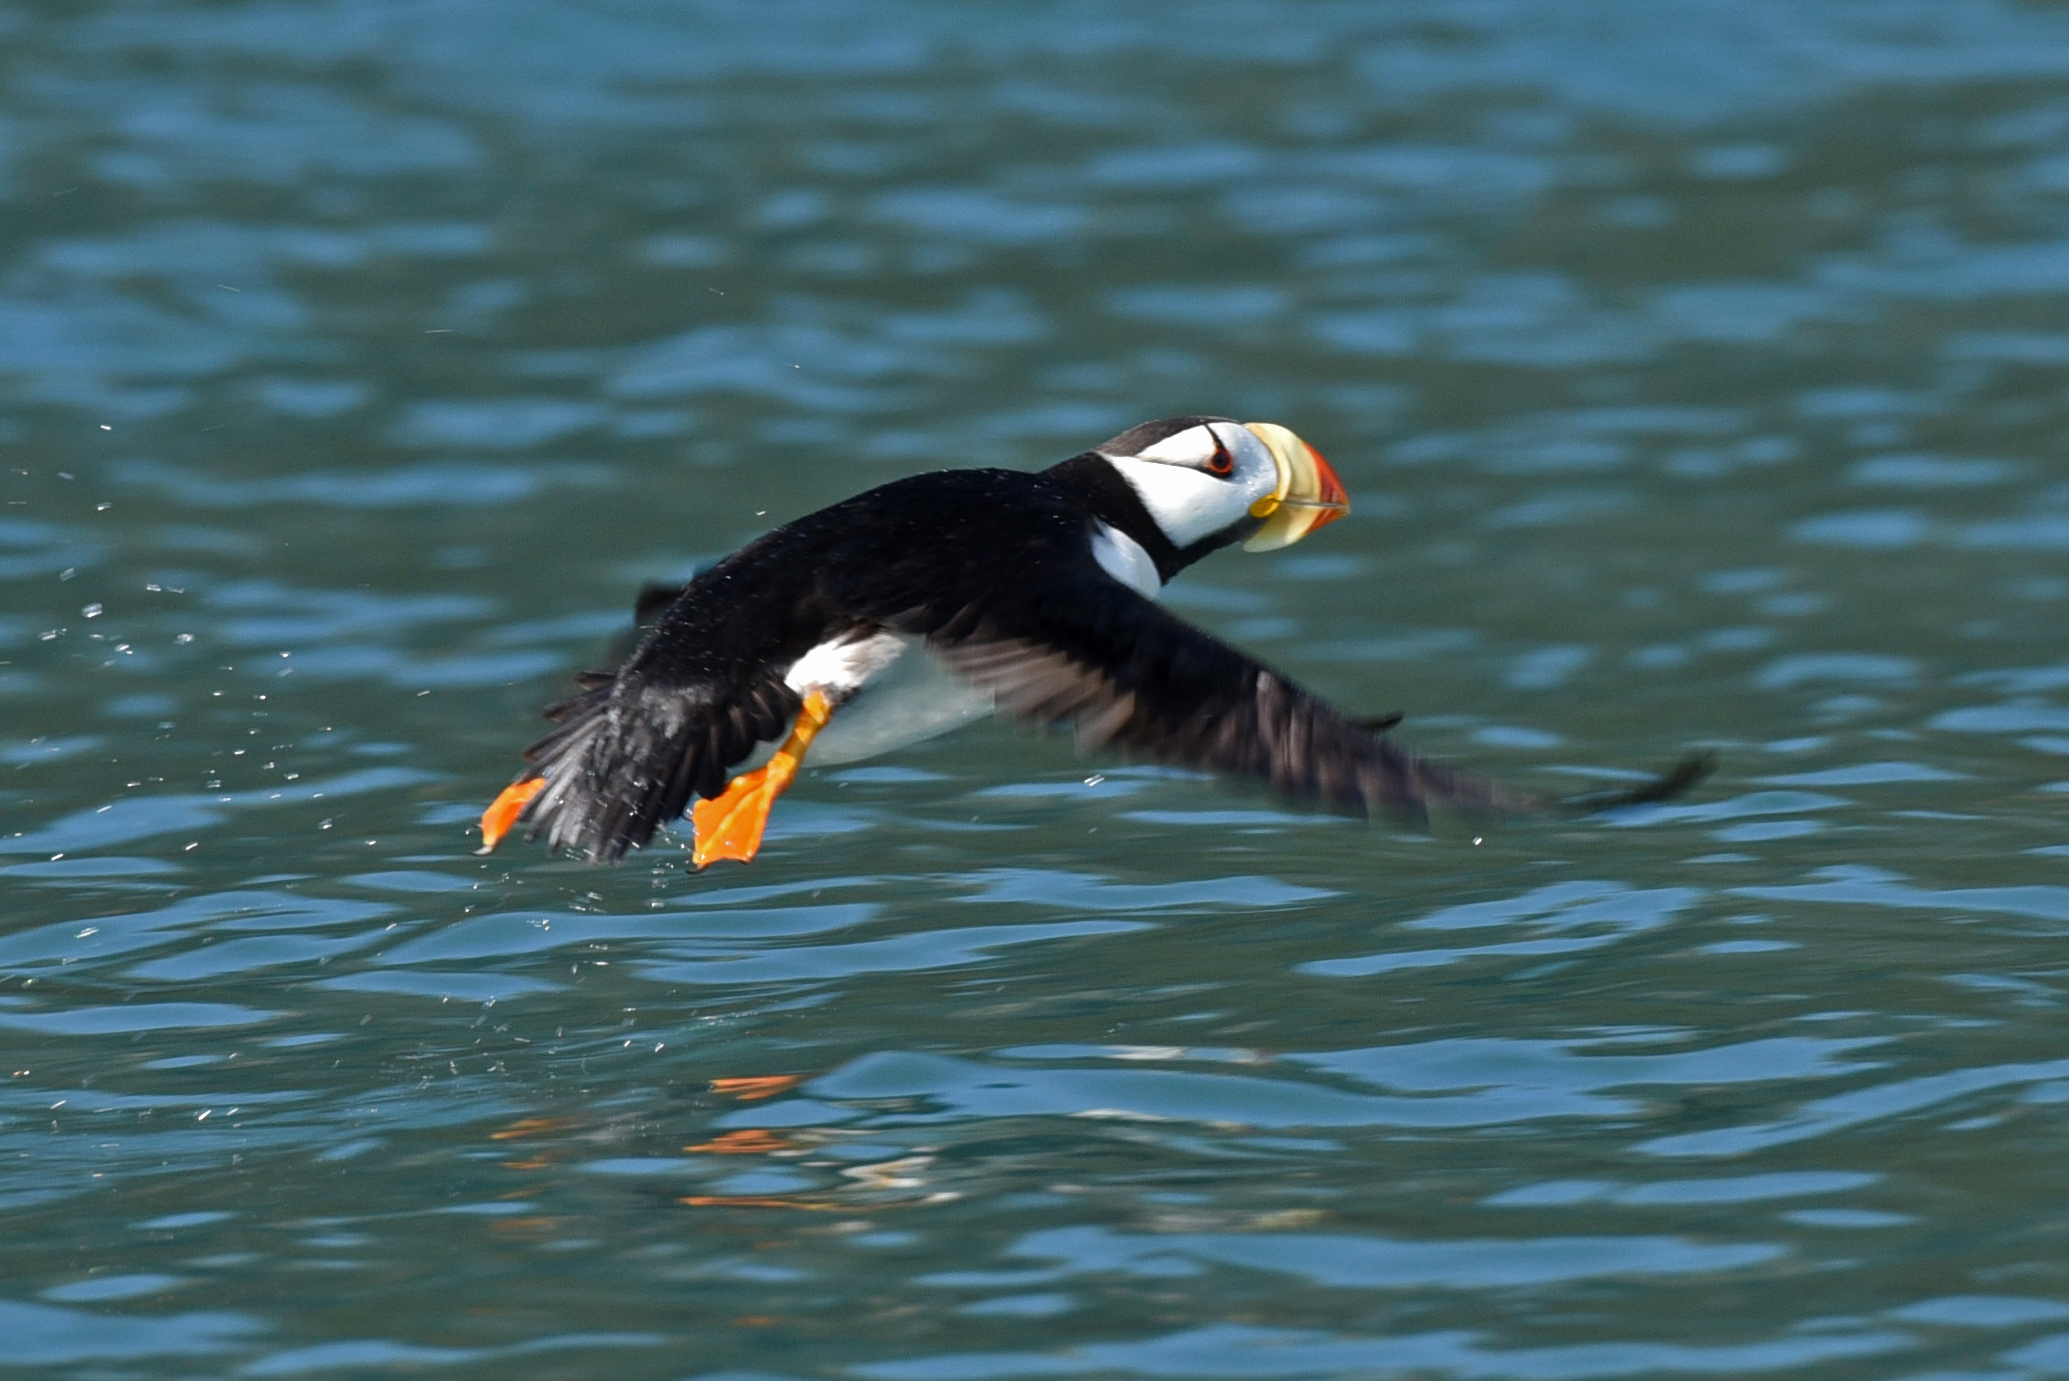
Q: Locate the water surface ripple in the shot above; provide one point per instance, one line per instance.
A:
(1697, 373)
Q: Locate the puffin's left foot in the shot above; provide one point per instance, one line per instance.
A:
(504, 810)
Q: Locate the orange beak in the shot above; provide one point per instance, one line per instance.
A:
(1309, 493)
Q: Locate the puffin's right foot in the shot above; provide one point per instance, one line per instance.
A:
(731, 824)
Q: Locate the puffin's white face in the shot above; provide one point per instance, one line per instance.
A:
(1201, 480)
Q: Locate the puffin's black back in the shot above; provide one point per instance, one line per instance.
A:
(706, 683)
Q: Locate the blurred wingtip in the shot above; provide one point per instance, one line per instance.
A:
(1665, 787)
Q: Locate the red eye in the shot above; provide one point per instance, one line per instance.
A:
(1223, 463)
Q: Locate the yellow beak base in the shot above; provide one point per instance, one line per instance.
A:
(1309, 493)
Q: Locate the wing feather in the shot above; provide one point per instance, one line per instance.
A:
(626, 758)
(1116, 669)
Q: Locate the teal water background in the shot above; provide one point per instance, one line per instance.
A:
(1698, 370)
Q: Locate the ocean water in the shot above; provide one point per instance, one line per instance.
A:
(1698, 374)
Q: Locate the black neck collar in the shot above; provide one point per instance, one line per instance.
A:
(1109, 497)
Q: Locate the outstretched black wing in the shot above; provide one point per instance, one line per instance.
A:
(1065, 645)
(1086, 653)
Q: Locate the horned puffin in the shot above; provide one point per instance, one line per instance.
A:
(933, 600)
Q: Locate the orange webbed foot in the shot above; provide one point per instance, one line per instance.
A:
(731, 824)
(504, 810)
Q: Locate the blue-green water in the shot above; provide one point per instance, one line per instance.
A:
(1698, 371)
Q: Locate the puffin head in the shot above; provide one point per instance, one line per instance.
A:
(1210, 481)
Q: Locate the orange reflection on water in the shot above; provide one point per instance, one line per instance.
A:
(751, 1141)
(754, 1087)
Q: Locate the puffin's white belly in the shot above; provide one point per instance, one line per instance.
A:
(905, 695)
(900, 693)
(913, 697)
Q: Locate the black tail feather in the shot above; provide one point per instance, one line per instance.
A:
(624, 760)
